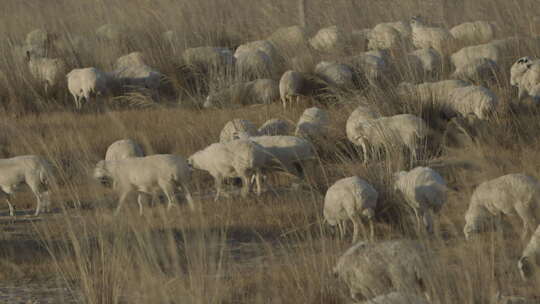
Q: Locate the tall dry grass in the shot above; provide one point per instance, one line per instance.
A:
(269, 249)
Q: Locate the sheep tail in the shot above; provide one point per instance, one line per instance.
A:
(368, 213)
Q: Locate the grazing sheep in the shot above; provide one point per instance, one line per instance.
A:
(237, 128)
(38, 37)
(287, 153)
(275, 126)
(111, 33)
(511, 194)
(260, 45)
(357, 117)
(437, 92)
(131, 70)
(399, 130)
(397, 298)
(373, 269)
(293, 85)
(350, 198)
(481, 70)
(472, 33)
(207, 57)
(425, 61)
(359, 39)
(49, 71)
(424, 191)
(530, 257)
(238, 158)
(471, 99)
(329, 40)
(496, 50)
(32, 170)
(337, 75)
(260, 91)
(146, 175)
(372, 66)
(290, 39)
(123, 148)
(312, 124)
(84, 82)
(254, 64)
(383, 36)
(525, 74)
(424, 36)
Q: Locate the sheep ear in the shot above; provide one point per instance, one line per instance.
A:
(523, 60)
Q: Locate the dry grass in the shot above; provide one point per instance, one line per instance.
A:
(269, 249)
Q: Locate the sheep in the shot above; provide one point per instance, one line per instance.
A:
(511, 194)
(237, 158)
(290, 39)
(260, 91)
(481, 70)
(357, 117)
(397, 298)
(530, 257)
(49, 71)
(146, 175)
(287, 153)
(398, 130)
(132, 70)
(373, 269)
(293, 85)
(237, 128)
(424, 191)
(496, 50)
(259, 45)
(123, 148)
(111, 33)
(425, 61)
(329, 40)
(32, 170)
(384, 36)
(525, 74)
(312, 124)
(471, 99)
(424, 36)
(471, 33)
(372, 66)
(275, 126)
(358, 39)
(337, 75)
(38, 37)
(84, 82)
(207, 57)
(254, 64)
(437, 92)
(350, 198)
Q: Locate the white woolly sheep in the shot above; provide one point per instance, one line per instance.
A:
(372, 66)
(146, 175)
(511, 194)
(293, 85)
(49, 71)
(313, 123)
(373, 269)
(38, 37)
(238, 158)
(237, 128)
(424, 191)
(82, 83)
(496, 50)
(329, 40)
(258, 45)
(472, 33)
(525, 74)
(290, 39)
(530, 257)
(131, 70)
(425, 61)
(31, 170)
(275, 126)
(358, 116)
(209, 57)
(383, 36)
(482, 70)
(424, 36)
(254, 64)
(337, 75)
(397, 298)
(437, 92)
(287, 153)
(399, 130)
(260, 91)
(471, 99)
(123, 148)
(350, 198)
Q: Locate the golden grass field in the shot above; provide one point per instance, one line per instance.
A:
(269, 249)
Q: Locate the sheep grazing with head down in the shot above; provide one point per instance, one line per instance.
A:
(473, 33)
(31, 170)
(275, 126)
(132, 71)
(336, 75)
(145, 176)
(351, 199)
(481, 70)
(260, 91)
(254, 64)
(207, 58)
(477, 100)
(425, 36)
(437, 92)
(511, 194)
(425, 62)
(241, 158)
(525, 75)
(329, 40)
(49, 71)
(530, 257)
(293, 85)
(424, 191)
(313, 123)
(374, 269)
(236, 129)
(82, 83)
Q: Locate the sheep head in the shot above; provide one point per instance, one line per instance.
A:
(525, 268)
(518, 69)
(102, 175)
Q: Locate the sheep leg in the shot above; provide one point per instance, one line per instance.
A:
(428, 221)
(169, 192)
(355, 221)
(219, 185)
(372, 229)
(258, 180)
(245, 185)
(123, 197)
(364, 151)
(187, 195)
(11, 209)
(143, 198)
